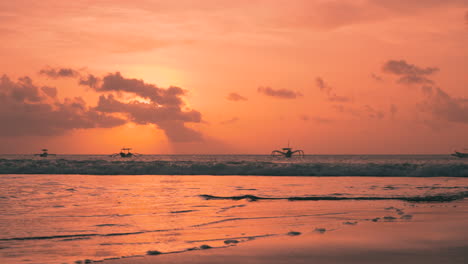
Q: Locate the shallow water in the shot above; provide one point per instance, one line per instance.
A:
(64, 218)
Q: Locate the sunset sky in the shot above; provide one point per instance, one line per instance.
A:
(243, 77)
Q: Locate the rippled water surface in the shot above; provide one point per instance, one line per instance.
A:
(64, 218)
(313, 165)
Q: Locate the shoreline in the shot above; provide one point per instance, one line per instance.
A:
(434, 236)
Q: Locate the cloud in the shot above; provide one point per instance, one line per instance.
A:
(364, 111)
(279, 93)
(409, 73)
(30, 110)
(230, 121)
(56, 73)
(315, 119)
(146, 113)
(445, 107)
(376, 77)
(90, 80)
(328, 90)
(115, 82)
(236, 97)
(164, 109)
(373, 113)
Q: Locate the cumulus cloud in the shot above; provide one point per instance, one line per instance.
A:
(115, 82)
(445, 107)
(146, 113)
(27, 110)
(279, 93)
(409, 73)
(165, 109)
(90, 80)
(328, 90)
(236, 97)
(56, 73)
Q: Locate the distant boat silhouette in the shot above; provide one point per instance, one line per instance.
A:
(125, 153)
(287, 152)
(44, 154)
(460, 154)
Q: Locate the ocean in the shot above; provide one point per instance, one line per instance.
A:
(73, 208)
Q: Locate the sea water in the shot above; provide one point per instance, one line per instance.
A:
(63, 218)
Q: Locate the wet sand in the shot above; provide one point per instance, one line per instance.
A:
(437, 234)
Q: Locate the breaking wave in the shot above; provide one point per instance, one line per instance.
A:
(427, 198)
(158, 167)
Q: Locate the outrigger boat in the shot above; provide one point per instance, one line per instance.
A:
(125, 153)
(460, 154)
(45, 154)
(287, 152)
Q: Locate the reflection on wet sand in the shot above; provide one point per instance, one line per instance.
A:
(102, 217)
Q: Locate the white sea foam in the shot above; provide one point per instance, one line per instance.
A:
(409, 166)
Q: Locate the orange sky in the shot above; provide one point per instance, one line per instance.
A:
(333, 77)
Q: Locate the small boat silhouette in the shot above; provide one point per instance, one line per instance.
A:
(460, 154)
(125, 153)
(45, 154)
(287, 152)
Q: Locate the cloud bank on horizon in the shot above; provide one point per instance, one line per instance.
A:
(31, 110)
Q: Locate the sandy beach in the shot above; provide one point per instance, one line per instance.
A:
(436, 234)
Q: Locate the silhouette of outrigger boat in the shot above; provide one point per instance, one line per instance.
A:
(460, 154)
(45, 154)
(125, 153)
(287, 152)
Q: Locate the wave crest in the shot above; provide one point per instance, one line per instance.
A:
(135, 167)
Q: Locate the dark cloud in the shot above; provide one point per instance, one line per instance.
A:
(27, 110)
(56, 73)
(230, 121)
(409, 73)
(328, 90)
(90, 80)
(280, 93)
(322, 85)
(49, 91)
(117, 83)
(445, 107)
(236, 97)
(165, 109)
(146, 113)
